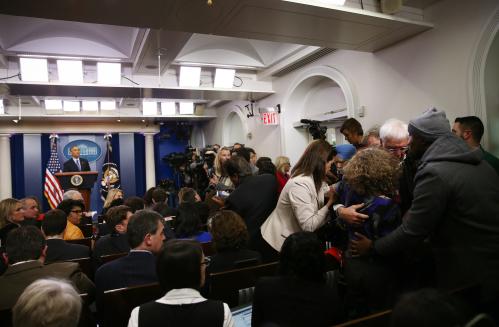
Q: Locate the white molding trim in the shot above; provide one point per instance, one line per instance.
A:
(347, 87)
(476, 79)
(225, 133)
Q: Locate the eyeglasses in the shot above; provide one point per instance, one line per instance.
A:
(206, 261)
(77, 211)
(402, 149)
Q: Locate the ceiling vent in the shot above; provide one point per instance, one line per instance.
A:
(304, 61)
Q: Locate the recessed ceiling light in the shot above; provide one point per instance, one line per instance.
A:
(143, 120)
(34, 69)
(70, 71)
(108, 105)
(109, 73)
(88, 105)
(149, 108)
(168, 108)
(189, 76)
(118, 120)
(224, 78)
(73, 106)
(186, 108)
(52, 104)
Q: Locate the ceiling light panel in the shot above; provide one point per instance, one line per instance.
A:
(71, 106)
(34, 69)
(108, 73)
(2, 108)
(108, 105)
(149, 108)
(51, 104)
(186, 108)
(224, 78)
(90, 106)
(189, 76)
(70, 71)
(168, 109)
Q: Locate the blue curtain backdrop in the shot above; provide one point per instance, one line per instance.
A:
(17, 165)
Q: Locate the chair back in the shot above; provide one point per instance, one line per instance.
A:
(86, 265)
(83, 241)
(208, 248)
(378, 319)
(225, 286)
(110, 257)
(120, 303)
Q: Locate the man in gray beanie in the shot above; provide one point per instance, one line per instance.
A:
(455, 204)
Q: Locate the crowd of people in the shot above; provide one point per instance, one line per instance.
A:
(401, 208)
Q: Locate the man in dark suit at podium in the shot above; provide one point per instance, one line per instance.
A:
(76, 163)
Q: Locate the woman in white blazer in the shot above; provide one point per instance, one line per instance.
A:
(301, 204)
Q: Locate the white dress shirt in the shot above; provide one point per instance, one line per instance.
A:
(181, 296)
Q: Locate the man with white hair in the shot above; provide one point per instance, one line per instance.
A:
(395, 137)
(73, 195)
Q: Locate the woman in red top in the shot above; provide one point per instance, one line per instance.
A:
(282, 172)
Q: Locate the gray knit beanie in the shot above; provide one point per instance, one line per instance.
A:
(430, 125)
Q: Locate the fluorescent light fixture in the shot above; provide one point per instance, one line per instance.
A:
(189, 76)
(2, 108)
(224, 78)
(168, 109)
(108, 105)
(334, 2)
(34, 69)
(186, 108)
(53, 104)
(73, 106)
(70, 71)
(108, 73)
(87, 105)
(149, 108)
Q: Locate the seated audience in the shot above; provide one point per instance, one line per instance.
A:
(135, 203)
(54, 226)
(112, 195)
(159, 196)
(73, 210)
(31, 207)
(372, 137)
(265, 166)
(73, 195)
(188, 224)
(117, 219)
(299, 296)
(26, 251)
(148, 198)
(181, 272)
(282, 166)
(145, 236)
(189, 195)
(11, 217)
(230, 239)
(47, 303)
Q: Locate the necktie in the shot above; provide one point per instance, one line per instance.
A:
(78, 164)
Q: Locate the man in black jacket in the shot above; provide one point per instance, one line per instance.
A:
(75, 163)
(455, 204)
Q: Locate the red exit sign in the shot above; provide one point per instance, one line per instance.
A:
(270, 118)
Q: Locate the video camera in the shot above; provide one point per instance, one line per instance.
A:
(317, 131)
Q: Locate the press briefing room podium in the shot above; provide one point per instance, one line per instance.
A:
(83, 181)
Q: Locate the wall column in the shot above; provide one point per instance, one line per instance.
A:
(150, 167)
(5, 168)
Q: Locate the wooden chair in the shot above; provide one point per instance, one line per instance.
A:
(225, 285)
(88, 241)
(208, 248)
(86, 265)
(110, 257)
(119, 303)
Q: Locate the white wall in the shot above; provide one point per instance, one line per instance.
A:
(430, 69)
(492, 95)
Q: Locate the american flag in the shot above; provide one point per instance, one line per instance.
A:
(52, 188)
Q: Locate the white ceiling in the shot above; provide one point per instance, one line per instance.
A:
(251, 35)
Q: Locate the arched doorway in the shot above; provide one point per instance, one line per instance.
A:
(234, 129)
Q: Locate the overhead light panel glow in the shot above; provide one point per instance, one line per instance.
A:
(34, 69)
(51, 104)
(224, 78)
(109, 73)
(108, 105)
(189, 76)
(90, 105)
(2, 108)
(334, 2)
(186, 108)
(70, 71)
(149, 108)
(71, 106)
(168, 108)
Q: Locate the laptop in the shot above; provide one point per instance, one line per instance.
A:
(242, 316)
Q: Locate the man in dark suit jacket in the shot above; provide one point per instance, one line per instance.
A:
(254, 198)
(53, 226)
(145, 236)
(76, 163)
(26, 252)
(117, 219)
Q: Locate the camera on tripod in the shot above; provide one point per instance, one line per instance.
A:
(317, 131)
